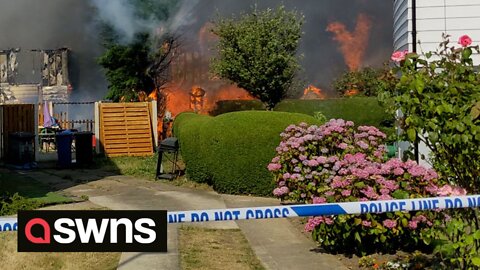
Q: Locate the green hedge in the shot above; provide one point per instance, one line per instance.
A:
(231, 151)
(360, 110)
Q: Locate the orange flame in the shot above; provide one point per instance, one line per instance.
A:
(352, 44)
(312, 92)
(351, 92)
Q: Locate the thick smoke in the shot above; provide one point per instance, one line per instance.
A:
(322, 57)
(50, 24)
(129, 17)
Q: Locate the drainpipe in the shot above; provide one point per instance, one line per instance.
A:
(414, 50)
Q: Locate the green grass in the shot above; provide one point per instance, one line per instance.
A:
(12, 182)
(144, 167)
(204, 248)
(231, 151)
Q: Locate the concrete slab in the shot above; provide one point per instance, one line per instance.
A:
(277, 243)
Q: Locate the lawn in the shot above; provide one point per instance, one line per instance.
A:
(203, 248)
(15, 182)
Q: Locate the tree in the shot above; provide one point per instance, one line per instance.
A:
(366, 81)
(126, 68)
(142, 64)
(258, 52)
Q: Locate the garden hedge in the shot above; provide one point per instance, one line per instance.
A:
(231, 151)
(360, 110)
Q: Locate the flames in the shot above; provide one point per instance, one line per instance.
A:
(198, 99)
(312, 92)
(352, 44)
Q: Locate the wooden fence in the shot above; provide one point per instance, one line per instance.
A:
(126, 129)
(15, 118)
(65, 123)
(63, 120)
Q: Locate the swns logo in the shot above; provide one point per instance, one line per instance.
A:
(92, 231)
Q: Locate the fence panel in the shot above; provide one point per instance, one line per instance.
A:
(15, 118)
(126, 129)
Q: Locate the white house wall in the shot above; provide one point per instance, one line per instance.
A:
(434, 17)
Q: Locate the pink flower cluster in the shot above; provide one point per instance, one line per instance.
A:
(448, 190)
(313, 222)
(337, 162)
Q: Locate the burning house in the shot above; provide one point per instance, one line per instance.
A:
(50, 83)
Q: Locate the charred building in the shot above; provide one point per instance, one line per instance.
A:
(48, 81)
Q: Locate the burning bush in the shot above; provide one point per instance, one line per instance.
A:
(338, 163)
(231, 151)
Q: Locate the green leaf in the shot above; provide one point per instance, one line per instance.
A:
(475, 112)
(360, 185)
(419, 85)
(467, 52)
(404, 222)
(400, 194)
(383, 238)
(357, 237)
(476, 235)
(476, 261)
(412, 134)
(357, 221)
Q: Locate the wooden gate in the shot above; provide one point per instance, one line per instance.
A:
(15, 118)
(126, 129)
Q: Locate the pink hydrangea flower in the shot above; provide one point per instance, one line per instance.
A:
(458, 191)
(280, 191)
(390, 223)
(319, 200)
(342, 146)
(398, 171)
(346, 192)
(274, 167)
(412, 224)
(445, 190)
(464, 40)
(367, 223)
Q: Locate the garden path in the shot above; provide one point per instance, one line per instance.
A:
(276, 242)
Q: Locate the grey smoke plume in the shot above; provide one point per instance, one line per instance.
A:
(128, 17)
(50, 24)
(121, 15)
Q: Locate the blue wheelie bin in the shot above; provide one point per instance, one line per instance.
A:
(64, 148)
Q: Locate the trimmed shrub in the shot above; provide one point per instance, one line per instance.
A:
(361, 110)
(226, 106)
(231, 151)
(339, 163)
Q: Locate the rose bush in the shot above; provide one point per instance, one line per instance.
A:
(337, 162)
(438, 93)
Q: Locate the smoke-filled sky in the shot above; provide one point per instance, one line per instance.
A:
(50, 24)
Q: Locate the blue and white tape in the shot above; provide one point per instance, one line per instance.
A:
(8, 224)
(306, 210)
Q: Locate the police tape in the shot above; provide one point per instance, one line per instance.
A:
(307, 210)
